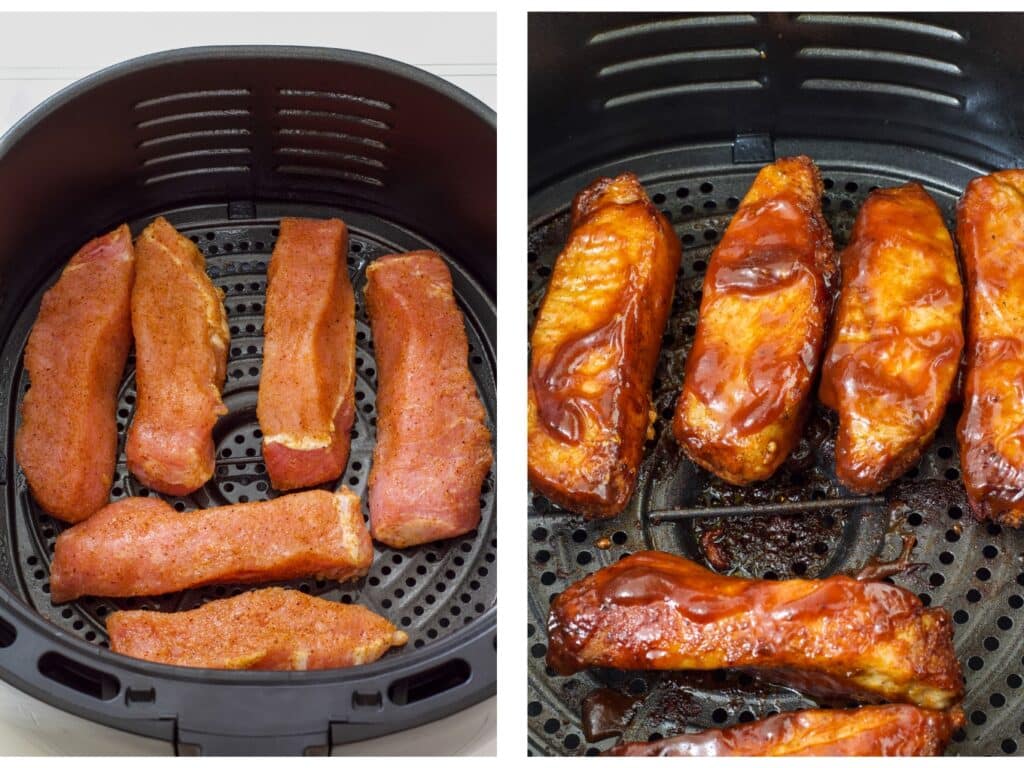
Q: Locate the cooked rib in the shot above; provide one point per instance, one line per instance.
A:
(831, 637)
(307, 385)
(181, 350)
(595, 347)
(990, 228)
(66, 443)
(142, 546)
(269, 628)
(433, 449)
(892, 730)
(896, 337)
(761, 328)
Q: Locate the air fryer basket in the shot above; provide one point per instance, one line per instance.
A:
(695, 105)
(224, 142)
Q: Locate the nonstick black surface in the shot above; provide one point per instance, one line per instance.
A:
(975, 570)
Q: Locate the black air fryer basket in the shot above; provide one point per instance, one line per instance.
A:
(695, 105)
(224, 142)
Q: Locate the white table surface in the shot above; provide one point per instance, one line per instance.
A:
(42, 53)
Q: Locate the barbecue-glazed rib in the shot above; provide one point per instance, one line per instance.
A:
(307, 384)
(433, 449)
(595, 347)
(896, 337)
(67, 440)
(832, 637)
(269, 628)
(990, 228)
(892, 730)
(142, 546)
(761, 328)
(181, 350)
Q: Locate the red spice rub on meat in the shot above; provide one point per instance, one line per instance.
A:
(181, 351)
(307, 385)
(433, 449)
(271, 628)
(75, 356)
(142, 546)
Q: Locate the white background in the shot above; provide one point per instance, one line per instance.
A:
(42, 53)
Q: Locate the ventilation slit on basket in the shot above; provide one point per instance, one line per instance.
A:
(682, 58)
(674, 26)
(211, 170)
(873, 89)
(684, 89)
(336, 96)
(875, 58)
(328, 173)
(197, 154)
(327, 155)
(173, 98)
(78, 676)
(881, 24)
(186, 136)
(8, 634)
(329, 116)
(332, 136)
(188, 117)
(429, 683)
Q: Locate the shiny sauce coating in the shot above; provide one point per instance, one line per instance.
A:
(896, 339)
(761, 328)
(893, 730)
(595, 347)
(990, 229)
(653, 610)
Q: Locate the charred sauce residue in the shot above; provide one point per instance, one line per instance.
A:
(925, 498)
(879, 569)
(607, 712)
(779, 545)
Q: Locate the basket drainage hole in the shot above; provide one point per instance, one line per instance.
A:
(79, 677)
(429, 683)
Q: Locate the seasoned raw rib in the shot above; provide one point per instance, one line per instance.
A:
(896, 338)
(831, 637)
(269, 628)
(595, 347)
(990, 228)
(142, 546)
(307, 384)
(893, 730)
(67, 440)
(761, 328)
(433, 449)
(181, 350)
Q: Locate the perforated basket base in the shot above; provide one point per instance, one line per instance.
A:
(974, 570)
(431, 591)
